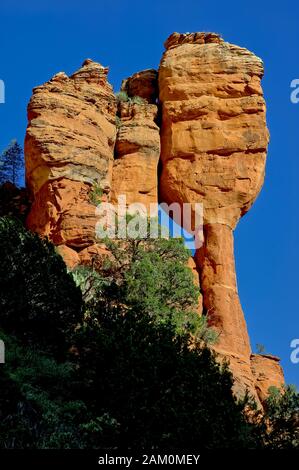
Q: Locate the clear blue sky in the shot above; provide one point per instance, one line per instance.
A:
(39, 38)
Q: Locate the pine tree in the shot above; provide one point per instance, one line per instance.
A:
(11, 163)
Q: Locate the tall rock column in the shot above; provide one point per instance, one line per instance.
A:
(68, 148)
(137, 148)
(213, 149)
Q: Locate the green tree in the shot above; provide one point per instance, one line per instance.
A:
(161, 393)
(39, 300)
(149, 275)
(281, 430)
(11, 163)
(37, 405)
(126, 373)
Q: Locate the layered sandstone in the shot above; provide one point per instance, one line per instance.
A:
(213, 150)
(69, 148)
(137, 152)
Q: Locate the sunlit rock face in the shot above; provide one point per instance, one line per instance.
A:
(137, 152)
(68, 148)
(213, 149)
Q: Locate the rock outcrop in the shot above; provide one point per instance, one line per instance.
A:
(143, 84)
(203, 115)
(213, 150)
(137, 152)
(267, 373)
(69, 147)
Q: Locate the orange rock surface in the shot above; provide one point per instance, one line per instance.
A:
(137, 152)
(267, 373)
(213, 150)
(68, 148)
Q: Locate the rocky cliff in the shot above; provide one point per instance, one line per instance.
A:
(196, 134)
(69, 147)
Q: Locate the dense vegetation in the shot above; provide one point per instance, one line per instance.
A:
(101, 358)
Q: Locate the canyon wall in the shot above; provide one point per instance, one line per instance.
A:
(192, 132)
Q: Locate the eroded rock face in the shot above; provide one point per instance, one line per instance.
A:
(68, 148)
(213, 150)
(143, 84)
(214, 135)
(267, 373)
(137, 152)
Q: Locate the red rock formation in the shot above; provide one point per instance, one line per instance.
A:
(267, 373)
(193, 267)
(213, 149)
(69, 147)
(137, 152)
(143, 84)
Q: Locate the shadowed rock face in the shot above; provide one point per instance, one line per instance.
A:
(68, 147)
(143, 84)
(213, 150)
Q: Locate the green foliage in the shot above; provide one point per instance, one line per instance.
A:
(118, 122)
(161, 394)
(152, 276)
(37, 408)
(11, 163)
(95, 195)
(282, 418)
(138, 100)
(122, 97)
(89, 281)
(38, 298)
(128, 372)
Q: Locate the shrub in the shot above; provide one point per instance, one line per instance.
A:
(138, 100)
(122, 96)
(282, 418)
(118, 122)
(95, 195)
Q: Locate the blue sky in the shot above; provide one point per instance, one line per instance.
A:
(40, 38)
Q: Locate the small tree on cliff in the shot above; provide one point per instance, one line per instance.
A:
(11, 163)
